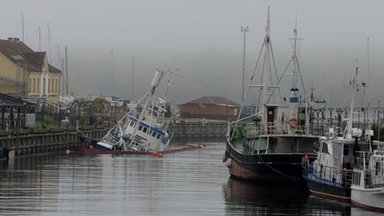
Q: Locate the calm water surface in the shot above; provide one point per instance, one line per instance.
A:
(185, 183)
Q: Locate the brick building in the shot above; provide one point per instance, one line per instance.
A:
(210, 107)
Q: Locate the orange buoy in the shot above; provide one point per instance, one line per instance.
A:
(293, 122)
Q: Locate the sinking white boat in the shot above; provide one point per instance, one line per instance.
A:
(141, 131)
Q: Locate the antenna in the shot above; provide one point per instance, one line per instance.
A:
(368, 62)
(268, 27)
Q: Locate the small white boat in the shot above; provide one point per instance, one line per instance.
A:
(141, 131)
(367, 190)
(329, 175)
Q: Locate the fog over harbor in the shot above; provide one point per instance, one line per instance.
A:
(203, 39)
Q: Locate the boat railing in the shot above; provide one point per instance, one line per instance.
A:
(373, 179)
(373, 175)
(253, 129)
(328, 175)
(361, 159)
(272, 128)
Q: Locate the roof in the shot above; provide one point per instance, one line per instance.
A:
(53, 69)
(18, 52)
(9, 101)
(34, 60)
(216, 100)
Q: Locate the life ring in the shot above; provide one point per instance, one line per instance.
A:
(293, 122)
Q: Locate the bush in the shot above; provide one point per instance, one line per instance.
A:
(49, 120)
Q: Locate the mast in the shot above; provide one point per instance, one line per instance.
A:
(133, 78)
(22, 26)
(159, 74)
(355, 85)
(267, 86)
(265, 74)
(245, 30)
(49, 42)
(66, 71)
(39, 39)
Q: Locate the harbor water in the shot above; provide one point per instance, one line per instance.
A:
(185, 183)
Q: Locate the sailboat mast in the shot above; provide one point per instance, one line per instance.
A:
(22, 26)
(66, 71)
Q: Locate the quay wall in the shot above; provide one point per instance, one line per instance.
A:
(199, 130)
(22, 143)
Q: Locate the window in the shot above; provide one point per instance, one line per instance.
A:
(34, 85)
(325, 148)
(145, 130)
(154, 134)
(29, 85)
(346, 150)
(140, 128)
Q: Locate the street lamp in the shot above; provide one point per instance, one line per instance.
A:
(44, 100)
(244, 30)
(115, 103)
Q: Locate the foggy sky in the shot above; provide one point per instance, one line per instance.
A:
(203, 39)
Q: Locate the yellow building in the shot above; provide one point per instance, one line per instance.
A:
(27, 74)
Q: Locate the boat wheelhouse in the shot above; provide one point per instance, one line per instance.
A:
(367, 190)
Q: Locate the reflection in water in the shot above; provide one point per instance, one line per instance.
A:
(185, 183)
(245, 198)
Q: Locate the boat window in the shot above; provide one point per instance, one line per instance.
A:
(140, 128)
(262, 145)
(325, 148)
(158, 136)
(154, 134)
(346, 150)
(131, 123)
(145, 130)
(356, 178)
(378, 168)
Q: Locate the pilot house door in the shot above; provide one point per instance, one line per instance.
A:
(270, 120)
